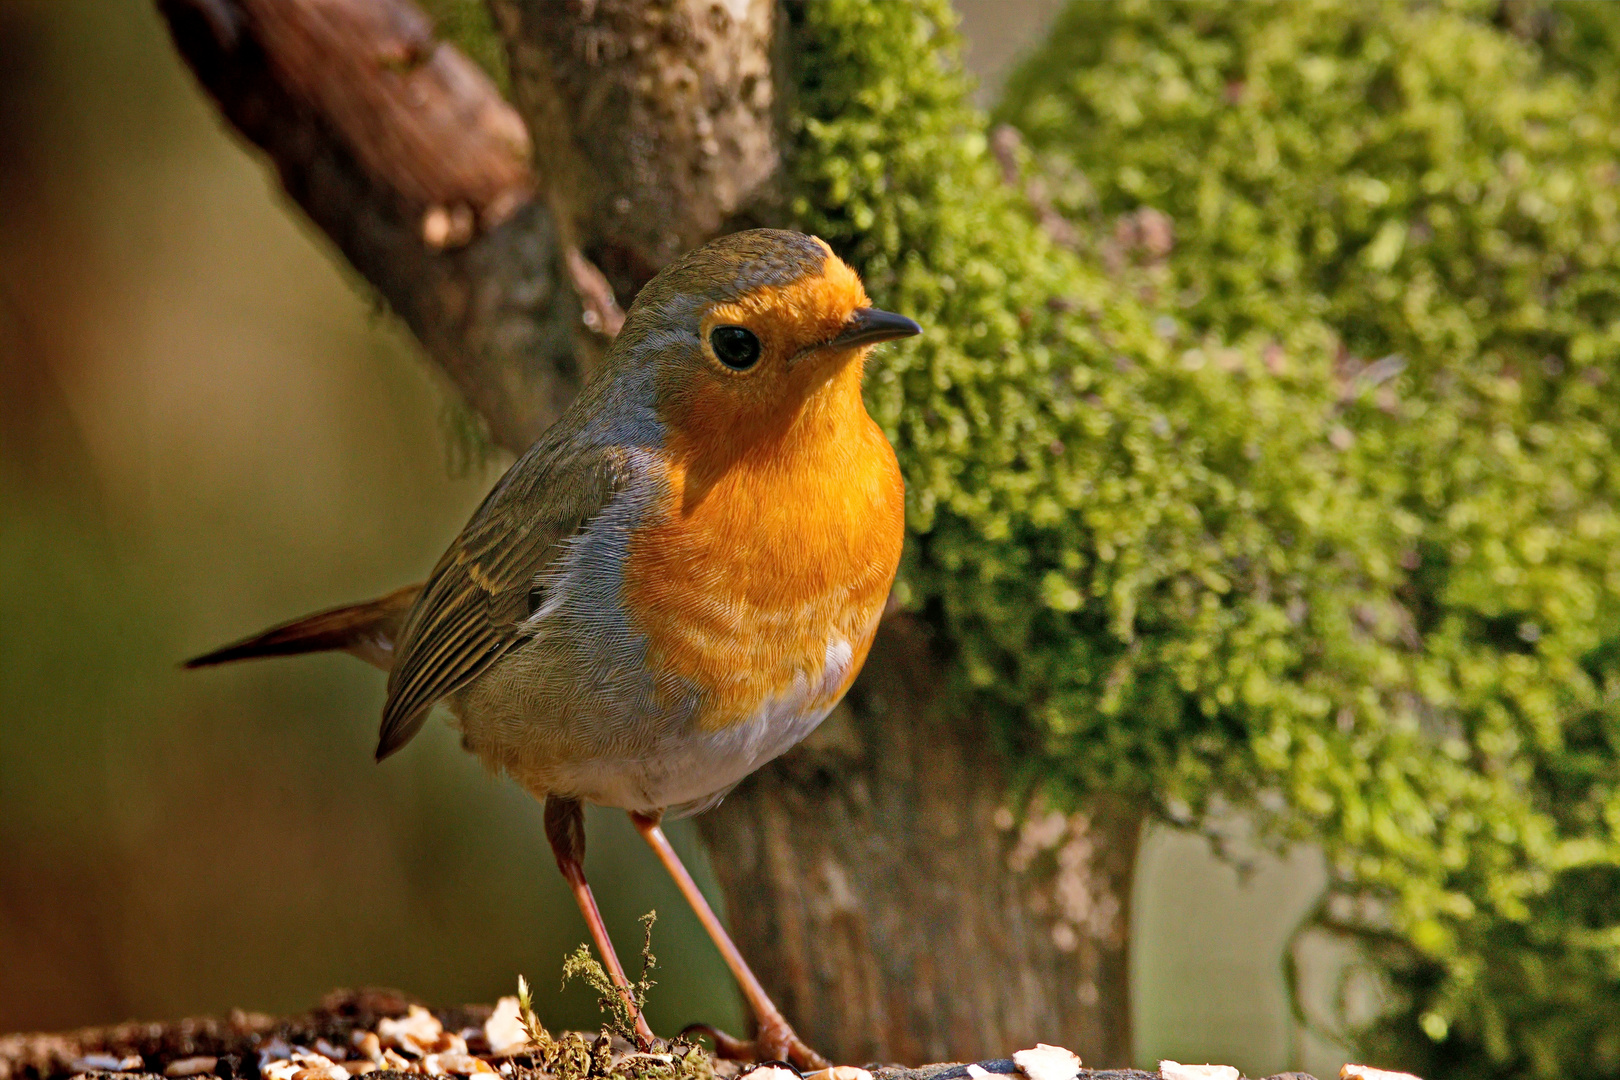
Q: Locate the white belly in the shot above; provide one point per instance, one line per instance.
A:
(614, 743)
(691, 774)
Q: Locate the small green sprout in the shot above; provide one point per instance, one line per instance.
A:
(621, 1014)
(539, 1037)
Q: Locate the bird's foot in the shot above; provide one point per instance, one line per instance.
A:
(775, 1041)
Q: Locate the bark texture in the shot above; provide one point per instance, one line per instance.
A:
(878, 880)
(403, 153)
(655, 120)
(896, 908)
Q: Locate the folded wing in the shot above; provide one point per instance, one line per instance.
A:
(473, 608)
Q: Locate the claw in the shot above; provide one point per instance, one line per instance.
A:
(774, 1042)
(726, 1047)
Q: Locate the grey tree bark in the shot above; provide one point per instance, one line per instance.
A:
(889, 894)
(657, 120)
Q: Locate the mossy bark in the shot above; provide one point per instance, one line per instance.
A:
(656, 121)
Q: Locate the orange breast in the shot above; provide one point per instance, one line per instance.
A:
(763, 559)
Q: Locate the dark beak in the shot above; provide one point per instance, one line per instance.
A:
(867, 326)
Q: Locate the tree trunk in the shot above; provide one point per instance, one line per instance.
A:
(883, 886)
(656, 119)
(879, 879)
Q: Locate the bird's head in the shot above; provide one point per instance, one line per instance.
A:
(744, 336)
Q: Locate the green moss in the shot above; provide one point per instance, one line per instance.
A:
(571, 1056)
(1315, 511)
(468, 26)
(1439, 187)
(1124, 525)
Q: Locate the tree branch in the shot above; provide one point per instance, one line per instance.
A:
(657, 120)
(403, 152)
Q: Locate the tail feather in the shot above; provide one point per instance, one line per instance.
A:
(368, 631)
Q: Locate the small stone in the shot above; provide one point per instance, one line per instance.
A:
(1046, 1062)
(450, 1042)
(417, 1033)
(504, 1028)
(839, 1072)
(323, 1070)
(191, 1066)
(979, 1072)
(1175, 1070)
(107, 1063)
(273, 1050)
(1367, 1072)
(463, 1064)
(770, 1072)
(368, 1046)
(305, 1064)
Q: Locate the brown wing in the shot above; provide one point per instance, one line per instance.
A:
(471, 611)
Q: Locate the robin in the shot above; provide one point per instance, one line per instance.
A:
(676, 583)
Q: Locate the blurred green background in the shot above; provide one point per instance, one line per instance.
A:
(206, 426)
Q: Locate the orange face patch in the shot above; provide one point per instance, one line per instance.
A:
(801, 313)
(785, 513)
(710, 402)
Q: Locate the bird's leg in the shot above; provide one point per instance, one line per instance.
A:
(775, 1040)
(565, 828)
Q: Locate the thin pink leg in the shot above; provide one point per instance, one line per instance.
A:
(565, 828)
(776, 1040)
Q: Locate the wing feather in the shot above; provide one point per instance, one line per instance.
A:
(471, 611)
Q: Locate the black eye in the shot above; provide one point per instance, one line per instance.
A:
(736, 347)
